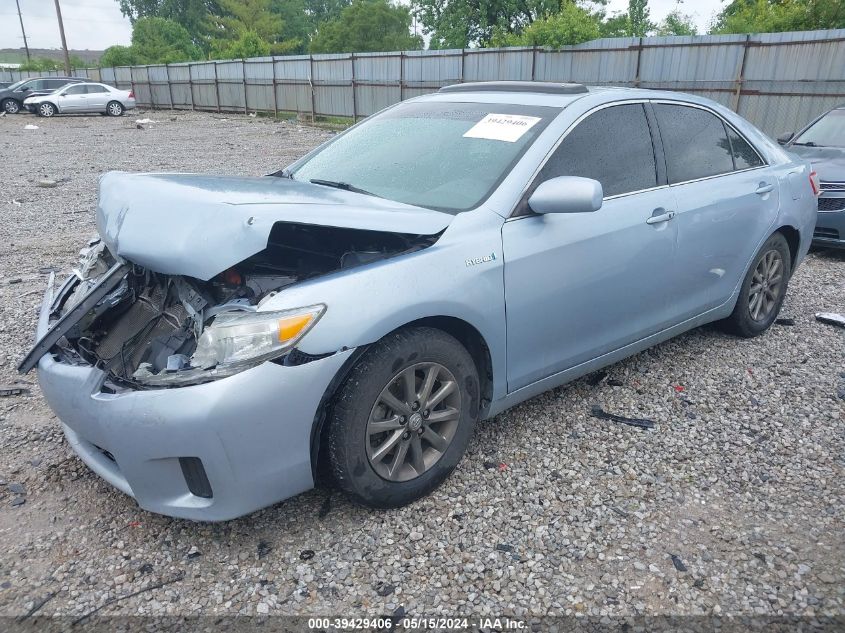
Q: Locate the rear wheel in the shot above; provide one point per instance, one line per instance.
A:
(403, 418)
(11, 106)
(763, 289)
(114, 108)
(46, 109)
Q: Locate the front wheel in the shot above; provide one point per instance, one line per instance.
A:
(763, 290)
(11, 106)
(114, 108)
(46, 109)
(403, 418)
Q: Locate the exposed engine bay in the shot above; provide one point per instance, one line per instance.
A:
(148, 330)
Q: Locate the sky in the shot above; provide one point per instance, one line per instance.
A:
(97, 24)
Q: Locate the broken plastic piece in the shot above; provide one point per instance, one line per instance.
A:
(175, 362)
(598, 412)
(831, 318)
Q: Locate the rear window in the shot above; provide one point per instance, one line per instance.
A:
(695, 142)
(828, 131)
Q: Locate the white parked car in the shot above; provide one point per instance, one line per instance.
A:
(82, 97)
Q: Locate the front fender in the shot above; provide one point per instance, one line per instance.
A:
(460, 276)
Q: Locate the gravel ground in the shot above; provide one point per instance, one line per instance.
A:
(733, 503)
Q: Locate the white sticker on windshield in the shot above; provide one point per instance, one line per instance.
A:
(502, 127)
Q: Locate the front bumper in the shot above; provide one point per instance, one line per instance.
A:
(830, 229)
(251, 431)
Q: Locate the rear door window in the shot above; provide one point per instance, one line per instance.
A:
(612, 146)
(745, 156)
(95, 90)
(695, 142)
(75, 90)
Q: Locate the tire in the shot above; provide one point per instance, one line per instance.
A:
(46, 109)
(360, 464)
(114, 108)
(769, 275)
(11, 106)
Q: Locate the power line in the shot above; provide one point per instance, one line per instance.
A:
(20, 17)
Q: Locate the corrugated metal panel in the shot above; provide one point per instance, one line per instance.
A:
(785, 78)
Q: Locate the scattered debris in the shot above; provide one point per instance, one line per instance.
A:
(17, 489)
(16, 202)
(35, 462)
(785, 321)
(194, 552)
(18, 501)
(677, 562)
(620, 512)
(615, 382)
(138, 126)
(597, 412)
(15, 280)
(490, 465)
(679, 388)
(384, 589)
(263, 549)
(146, 568)
(252, 115)
(139, 121)
(156, 585)
(503, 467)
(504, 547)
(7, 391)
(306, 554)
(30, 126)
(173, 118)
(594, 379)
(831, 318)
(46, 270)
(759, 556)
(47, 183)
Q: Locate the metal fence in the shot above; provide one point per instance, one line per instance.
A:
(778, 81)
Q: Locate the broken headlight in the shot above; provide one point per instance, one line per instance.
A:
(248, 338)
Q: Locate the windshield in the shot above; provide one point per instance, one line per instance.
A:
(17, 84)
(444, 156)
(828, 131)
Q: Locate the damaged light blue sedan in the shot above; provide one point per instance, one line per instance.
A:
(355, 314)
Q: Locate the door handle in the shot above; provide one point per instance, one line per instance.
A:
(660, 215)
(764, 187)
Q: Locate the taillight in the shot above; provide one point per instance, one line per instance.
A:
(814, 183)
(131, 95)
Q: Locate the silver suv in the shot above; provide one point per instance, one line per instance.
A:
(436, 264)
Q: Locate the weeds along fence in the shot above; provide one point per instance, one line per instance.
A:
(778, 81)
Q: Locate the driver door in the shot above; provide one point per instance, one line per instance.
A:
(581, 285)
(73, 99)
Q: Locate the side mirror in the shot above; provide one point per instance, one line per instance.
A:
(783, 139)
(22, 89)
(64, 94)
(567, 194)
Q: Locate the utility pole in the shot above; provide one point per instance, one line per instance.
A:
(64, 41)
(20, 17)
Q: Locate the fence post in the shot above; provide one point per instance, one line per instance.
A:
(191, 85)
(169, 85)
(311, 82)
(740, 78)
(273, 86)
(534, 63)
(639, 59)
(243, 77)
(131, 82)
(401, 75)
(354, 98)
(216, 86)
(463, 61)
(150, 88)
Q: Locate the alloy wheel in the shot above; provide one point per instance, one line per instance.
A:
(46, 109)
(115, 109)
(11, 106)
(413, 421)
(766, 286)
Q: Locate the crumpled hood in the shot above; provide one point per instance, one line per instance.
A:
(828, 162)
(197, 225)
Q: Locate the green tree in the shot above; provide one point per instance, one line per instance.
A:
(161, 41)
(247, 44)
(194, 15)
(677, 23)
(237, 17)
(366, 26)
(571, 25)
(769, 16)
(118, 56)
(639, 24)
